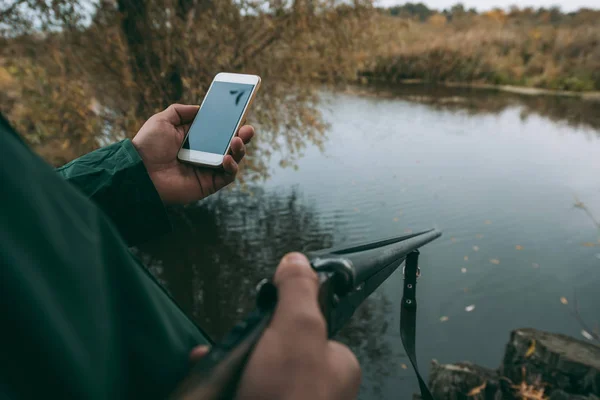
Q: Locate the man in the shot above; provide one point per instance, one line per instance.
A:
(83, 319)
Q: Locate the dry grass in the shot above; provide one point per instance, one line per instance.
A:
(486, 50)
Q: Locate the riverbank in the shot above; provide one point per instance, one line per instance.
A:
(523, 90)
(494, 50)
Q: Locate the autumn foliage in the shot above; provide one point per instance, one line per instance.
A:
(537, 48)
(74, 77)
(77, 80)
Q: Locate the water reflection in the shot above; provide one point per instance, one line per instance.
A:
(221, 248)
(573, 111)
(499, 184)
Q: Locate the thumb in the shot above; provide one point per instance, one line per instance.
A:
(180, 114)
(198, 352)
(298, 310)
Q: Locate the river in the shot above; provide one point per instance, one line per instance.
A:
(499, 174)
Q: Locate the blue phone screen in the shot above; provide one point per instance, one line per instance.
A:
(215, 123)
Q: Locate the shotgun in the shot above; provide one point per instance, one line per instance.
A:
(347, 276)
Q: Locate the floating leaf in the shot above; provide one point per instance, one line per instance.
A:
(564, 300)
(396, 219)
(479, 236)
(403, 366)
(589, 244)
(495, 261)
(477, 390)
(353, 182)
(535, 265)
(470, 308)
(453, 239)
(444, 318)
(466, 258)
(487, 222)
(531, 349)
(463, 270)
(519, 247)
(465, 290)
(587, 335)
(356, 209)
(475, 248)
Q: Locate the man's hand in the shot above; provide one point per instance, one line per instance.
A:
(294, 359)
(158, 143)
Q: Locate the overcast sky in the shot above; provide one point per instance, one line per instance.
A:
(565, 5)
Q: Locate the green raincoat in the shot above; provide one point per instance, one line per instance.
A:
(81, 317)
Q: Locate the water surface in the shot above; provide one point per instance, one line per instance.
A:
(499, 175)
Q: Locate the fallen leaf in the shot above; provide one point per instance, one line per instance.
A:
(495, 261)
(444, 319)
(396, 219)
(564, 300)
(487, 222)
(354, 182)
(465, 290)
(587, 335)
(589, 244)
(535, 265)
(463, 270)
(466, 258)
(404, 366)
(475, 248)
(531, 349)
(470, 308)
(356, 209)
(478, 389)
(479, 236)
(519, 247)
(453, 239)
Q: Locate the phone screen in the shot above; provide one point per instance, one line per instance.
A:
(215, 123)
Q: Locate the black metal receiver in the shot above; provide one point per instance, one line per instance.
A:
(347, 277)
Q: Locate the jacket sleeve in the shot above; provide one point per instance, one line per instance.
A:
(115, 178)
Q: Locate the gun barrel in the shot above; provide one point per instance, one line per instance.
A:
(369, 262)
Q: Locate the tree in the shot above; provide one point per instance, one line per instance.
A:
(120, 63)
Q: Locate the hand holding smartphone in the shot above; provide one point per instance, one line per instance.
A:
(221, 114)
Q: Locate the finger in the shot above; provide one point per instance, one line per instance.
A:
(238, 150)
(246, 133)
(298, 311)
(229, 166)
(198, 352)
(345, 369)
(179, 114)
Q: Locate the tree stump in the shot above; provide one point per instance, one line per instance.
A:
(556, 361)
(536, 365)
(463, 381)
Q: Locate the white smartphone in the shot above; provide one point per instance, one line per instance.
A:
(220, 115)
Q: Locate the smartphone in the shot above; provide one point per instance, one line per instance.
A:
(220, 115)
